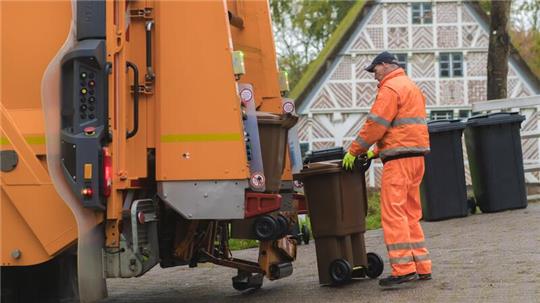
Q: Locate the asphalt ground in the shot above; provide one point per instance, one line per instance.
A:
(480, 258)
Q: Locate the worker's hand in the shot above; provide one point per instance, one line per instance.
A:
(367, 156)
(348, 161)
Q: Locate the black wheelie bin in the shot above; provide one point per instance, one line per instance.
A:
(443, 189)
(337, 205)
(496, 161)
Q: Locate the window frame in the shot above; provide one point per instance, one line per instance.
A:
(435, 115)
(451, 65)
(405, 62)
(304, 149)
(423, 11)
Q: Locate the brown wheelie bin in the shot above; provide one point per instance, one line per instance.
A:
(337, 206)
(273, 130)
(273, 135)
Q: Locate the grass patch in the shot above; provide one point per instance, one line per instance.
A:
(373, 219)
(238, 244)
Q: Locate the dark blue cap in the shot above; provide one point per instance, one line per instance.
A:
(384, 57)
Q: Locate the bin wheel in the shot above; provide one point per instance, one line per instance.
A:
(283, 225)
(471, 203)
(306, 234)
(265, 228)
(375, 265)
(340, 271)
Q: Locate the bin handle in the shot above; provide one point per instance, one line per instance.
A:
(363, 163)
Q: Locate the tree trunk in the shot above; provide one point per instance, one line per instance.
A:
(499, 48)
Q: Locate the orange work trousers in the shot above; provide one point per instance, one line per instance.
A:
(401, 212)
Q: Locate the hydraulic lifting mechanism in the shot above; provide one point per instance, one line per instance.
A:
(165, 133)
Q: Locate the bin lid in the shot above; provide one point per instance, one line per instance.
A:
(439, 126)
(319, 168)
(495, 119)
(285, 120)
(267, 116)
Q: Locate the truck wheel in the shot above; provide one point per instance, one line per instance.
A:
(375, 265)
(340, 271)
(265, 228)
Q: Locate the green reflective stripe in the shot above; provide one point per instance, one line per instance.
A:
(406, 121)
(362, 142)
(398, 246)
(378, 120)
(402, 150)
(402, 260)
(418, 245)
(201, 137)
(32, 140)
(421, 258)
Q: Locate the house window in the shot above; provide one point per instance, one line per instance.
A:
(402, 60)
(451, 65)
(304, 148)
(464, 113)
(421, 13)
(441, 115)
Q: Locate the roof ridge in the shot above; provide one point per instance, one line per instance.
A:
(331, 46)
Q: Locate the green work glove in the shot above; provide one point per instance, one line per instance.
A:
(370, 154)
(348, 161)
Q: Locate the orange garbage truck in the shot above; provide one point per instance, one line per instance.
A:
(137, 133)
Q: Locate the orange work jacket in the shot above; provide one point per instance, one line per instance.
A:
(397, 120)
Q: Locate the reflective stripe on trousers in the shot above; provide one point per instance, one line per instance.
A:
(401, 212)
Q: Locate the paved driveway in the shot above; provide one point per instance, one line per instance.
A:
(480, 258)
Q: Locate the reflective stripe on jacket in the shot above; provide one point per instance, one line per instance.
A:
(397, 120)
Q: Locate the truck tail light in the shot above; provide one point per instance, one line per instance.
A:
(107, 172)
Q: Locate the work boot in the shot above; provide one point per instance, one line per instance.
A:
(424, 277)
(391, 281)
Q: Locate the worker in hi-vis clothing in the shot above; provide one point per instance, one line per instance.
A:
(397, 125)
